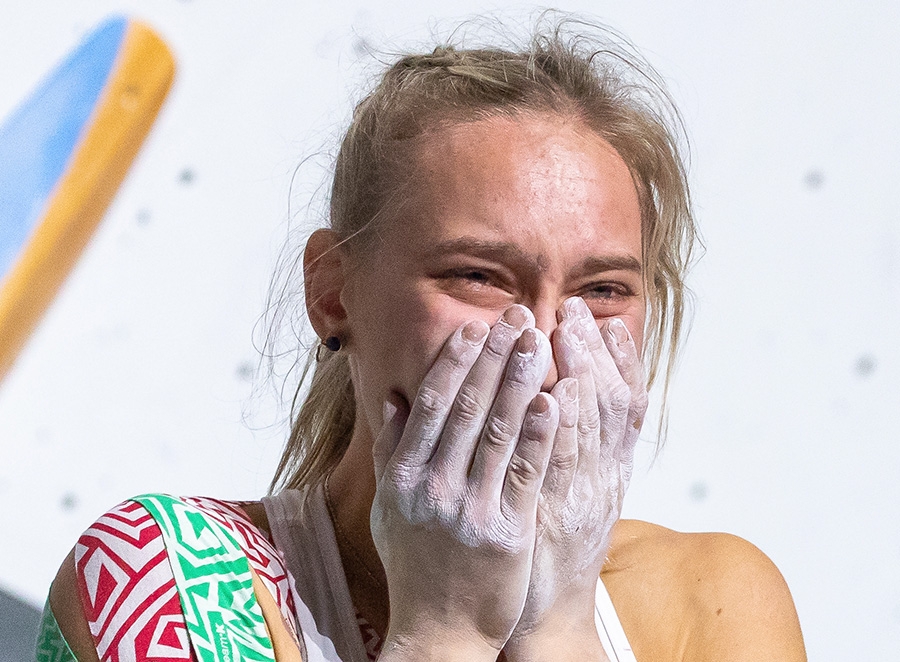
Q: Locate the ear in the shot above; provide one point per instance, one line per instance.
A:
(323, 281)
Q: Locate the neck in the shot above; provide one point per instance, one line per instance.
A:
(351, 489)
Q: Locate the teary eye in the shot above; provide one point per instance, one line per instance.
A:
(606, 291)
(474, 275)
(477, 285)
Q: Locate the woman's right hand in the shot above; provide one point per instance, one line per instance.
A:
(602, 401)
(458, 478)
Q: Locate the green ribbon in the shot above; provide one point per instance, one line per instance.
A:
(51, 644)
(212, 574)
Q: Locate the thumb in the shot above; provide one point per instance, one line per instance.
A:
(395, 411)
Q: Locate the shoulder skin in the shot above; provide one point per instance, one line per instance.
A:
(699, 597)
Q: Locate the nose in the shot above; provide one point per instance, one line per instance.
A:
(545, 319)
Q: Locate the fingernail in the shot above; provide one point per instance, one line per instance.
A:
(570, 390)
(515, 316)
(527, 343)
(540, 405)
(474, 332)
(573, 307)
(388, 411)
(618, 330)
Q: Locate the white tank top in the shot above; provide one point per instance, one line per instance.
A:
(302, 530)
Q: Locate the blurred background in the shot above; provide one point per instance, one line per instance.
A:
(785, 411)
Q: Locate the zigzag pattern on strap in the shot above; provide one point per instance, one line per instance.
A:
(371, 639)
(214, 582)
(127, 589)
(266, 561)
(51, 645)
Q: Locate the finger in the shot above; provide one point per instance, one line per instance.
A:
(454, 453)
(574, 361)
(613, 394)
(394, 416)
(435, 396)
(522, 380)
(528, 464)
(624, 352)
(564, 457)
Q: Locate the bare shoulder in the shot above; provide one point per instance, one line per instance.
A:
(710, 596)
(65, 604)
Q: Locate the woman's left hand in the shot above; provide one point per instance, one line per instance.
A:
(602, 402)
(457, 486)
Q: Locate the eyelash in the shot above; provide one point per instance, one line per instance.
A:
(617, 291)
(605, 291)
(480, 276)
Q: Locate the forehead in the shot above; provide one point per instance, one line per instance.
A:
(544, 180)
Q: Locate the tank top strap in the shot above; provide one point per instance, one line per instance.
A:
(615, 643)
(302, 530)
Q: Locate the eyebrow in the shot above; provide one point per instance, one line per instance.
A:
(512, 254)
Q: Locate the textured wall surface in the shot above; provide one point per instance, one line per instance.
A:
(19, 625)
(785, 416)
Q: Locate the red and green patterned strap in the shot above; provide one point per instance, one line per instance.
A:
(51, 644)
(215, 586)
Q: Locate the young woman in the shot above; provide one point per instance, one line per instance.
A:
(501, 279)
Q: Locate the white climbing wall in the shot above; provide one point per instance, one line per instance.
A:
(785, 424)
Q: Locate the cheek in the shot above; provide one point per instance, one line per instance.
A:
(424, 329)
(397, 336)
(418, 341)
(391, 340)
(636, 328)
(635, 319)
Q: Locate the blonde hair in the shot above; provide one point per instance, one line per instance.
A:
(569, 68)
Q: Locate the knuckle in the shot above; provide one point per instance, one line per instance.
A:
(564, 461)
(430, 401)
(521, 373)
(618, 399)
(627, 356)
(588, 420)
(588, 426)
(594, 342)
(626, 460)
(524, 470)
(498, 433)
(515, 383)
(400, 477)
(568, 415)
(640, 401)
(434, 492)
(468, 406)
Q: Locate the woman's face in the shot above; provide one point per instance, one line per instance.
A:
(500, 211)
